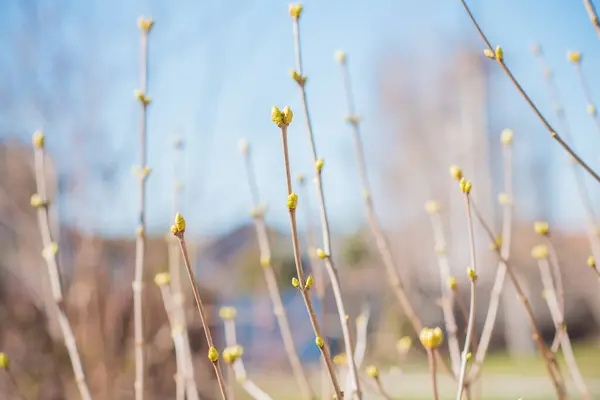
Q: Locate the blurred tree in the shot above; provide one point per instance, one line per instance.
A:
(354, 250)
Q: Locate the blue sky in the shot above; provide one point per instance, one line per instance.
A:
(217, 67)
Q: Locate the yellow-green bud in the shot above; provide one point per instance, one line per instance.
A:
(145, 24)
(179, 223)
(456, 172)
(309, 282)
(404, 344)
(574, 56)
(319, 342)
(499, 53)
(213, 354)
(471, 274)
(295, 10)
(265, 262)
(227, 313)
(50, 250)
(465, 185)
(496, 244)
(352, 119)
(300, 179)
(295, 282)
(452, 282)
(431, 338)
(300, 80)
(372, 371)
(292, 201)
(541, 228)
(504, 199)
(591, 262)
(321, 254)
(287, 115)
(163, 278)
(433, 207)
(243, 146)
(591, 109)
(340, 359)
(38, 140)
(540, 252)
(506, 137)
(276, 116)
(227, 356)
(4, 363)
(489, 53)
(340, 56)
(36, 201)
(319, 164)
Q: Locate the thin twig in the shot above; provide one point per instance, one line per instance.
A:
(50, 254)
(472, 305)
(231, 381)
(559, 322)
(362, 325)
(381, 241)
(271, 279)
(326, 237)
(464, 312)
(320, 282)
(447, 292)
(588, 94)
(185, 365)
(238, 367)
(504, 251)
(591, 10)
(162, 281)
(557, 282)
(551, 130)
(433, 373)
(581, 188)
(140, 245)
(547, 355)
(179, 231)
(300, 271)
(579, 178)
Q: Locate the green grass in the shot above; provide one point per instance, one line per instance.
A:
(529, 373)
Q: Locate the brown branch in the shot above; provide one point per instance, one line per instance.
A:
(140, 245)
(304, 291)
(447, 293)
(472, 305)
(550, 361)
(591, 10)
(464, 312)
(551, 130)
(50, 254)
(504, 251)
(238, 367)
(385, 252)
(179, 231)
(326, 236)
(433, 373)
(559, 322)
(271, 279)
(318, 268)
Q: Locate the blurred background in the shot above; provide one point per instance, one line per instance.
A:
(428, 98)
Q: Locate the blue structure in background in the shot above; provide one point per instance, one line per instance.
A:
(254, 336)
